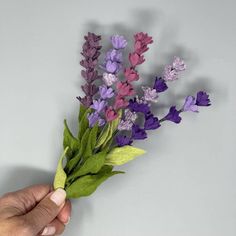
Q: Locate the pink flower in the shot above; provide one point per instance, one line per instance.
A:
(120, 102)
(125, 89)
(131, 75)
(110, 114)
(136, 59)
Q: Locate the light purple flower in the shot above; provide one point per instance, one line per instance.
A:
(169, 74)
(130, 116)
(190, 105)
(105, 92)
(93, 118)
(109, 79)
(118, 42)
(178, 64)
(101, 122)
(150, 95)
(98, 105)
(125, 125)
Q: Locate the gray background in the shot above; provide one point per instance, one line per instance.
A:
(185, 184)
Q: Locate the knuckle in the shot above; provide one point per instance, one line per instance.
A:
(44, 210)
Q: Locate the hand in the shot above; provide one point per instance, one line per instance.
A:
(35, 210)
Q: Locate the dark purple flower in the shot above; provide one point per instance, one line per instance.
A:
(160, 85)
(134, 106)
(151, 122)
(86, 100)
(123, 140)
(138, 133)
(202, 99)
(173, 115)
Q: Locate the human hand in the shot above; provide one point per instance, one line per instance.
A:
(36, 210)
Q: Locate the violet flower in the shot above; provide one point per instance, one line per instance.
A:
(105, 92)
(173, 115)
(190, 105)
(138, 133)
(123, 140)
(125, 125)
(203, 99)
(98, 105)
(93, 118)
(118, 42)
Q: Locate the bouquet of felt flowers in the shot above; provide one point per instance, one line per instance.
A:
(112, 115)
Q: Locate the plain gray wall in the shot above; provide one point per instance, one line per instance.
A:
(185, 184)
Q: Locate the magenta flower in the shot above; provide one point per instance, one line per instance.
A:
(190, 105)
(136, 59)
(125, 89)
(105, 92)
(120, 102)
(98, 105)
(110, 114)
(131, 75)
(118, 42)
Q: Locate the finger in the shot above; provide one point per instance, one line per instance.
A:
(56, 227)
(65, 213)
(22, 201)
(46, 211)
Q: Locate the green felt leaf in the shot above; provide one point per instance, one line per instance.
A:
(82, 110)
(75, 160)
(92, 139)
(92, 165)
(121, 155)
(83, 124)
(60, 176)
(103, 136)
(87, 184)
(70, 141)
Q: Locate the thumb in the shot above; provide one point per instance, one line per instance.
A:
(46, 211)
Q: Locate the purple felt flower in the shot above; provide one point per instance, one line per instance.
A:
(131, 116)
(105, 92)
(114, 55)
(160, 85)
(134, 106)
(190, 105)
(178, 64)
(94, 118)
(151, 122)
(98, 105)
(109, 79)
(125, 125)
(112, 67)
(123, 140)
(118, 42)
(138, 133)
(173, 115)
(169, 74)
(202, 99)
(150, 95)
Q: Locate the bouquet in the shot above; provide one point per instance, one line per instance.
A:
(113, 115)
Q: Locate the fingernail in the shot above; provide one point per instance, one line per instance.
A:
(68, 221)
(59, 196)
(49, 230)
